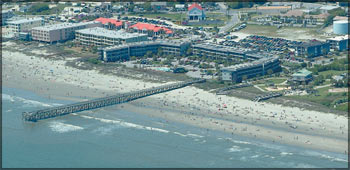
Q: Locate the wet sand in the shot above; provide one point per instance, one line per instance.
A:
(188, 105)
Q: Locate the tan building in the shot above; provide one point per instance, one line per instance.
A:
(60, 32)
(98, 36)
(24, 25)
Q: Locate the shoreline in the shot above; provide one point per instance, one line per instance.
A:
(239, 118)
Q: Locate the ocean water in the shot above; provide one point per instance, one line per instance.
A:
(113, 137)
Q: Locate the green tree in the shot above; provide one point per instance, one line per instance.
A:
(94, 49)
(149, 54)
(147, 6)
(131, 8)
(189, 51)
(244, 78)
(303, 65)
(159, 52)
(38, 8)
(269, 71)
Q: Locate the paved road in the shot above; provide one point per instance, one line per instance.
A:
(234, 18)
(222, 6)
(259, 88)
(318, 87)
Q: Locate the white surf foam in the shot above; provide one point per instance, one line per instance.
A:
(63, 127)
(180, 134)
(234, 149)
(27, 101)
(321, 155)
(240, 142)
(7, 97)
(33, 102)
(333, 158)
(188, 135)
(286, 153)
(104, 130)
(126, 124)
(195, 135)
(255, 156)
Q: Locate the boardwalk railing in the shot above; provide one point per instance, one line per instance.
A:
(102, 102)
(267, 96)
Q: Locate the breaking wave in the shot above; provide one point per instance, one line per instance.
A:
(63, 127)
(125, 124)
(285, 153)
(235, 148)
(27, 101)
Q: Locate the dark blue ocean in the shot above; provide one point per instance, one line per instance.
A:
(113, 137)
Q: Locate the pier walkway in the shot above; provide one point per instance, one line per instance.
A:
(103, 102)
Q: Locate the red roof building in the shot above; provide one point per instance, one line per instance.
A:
(109, 20)
(195, 5)
(150, 27)
(195, 12)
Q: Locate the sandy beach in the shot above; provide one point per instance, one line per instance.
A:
(189, 105)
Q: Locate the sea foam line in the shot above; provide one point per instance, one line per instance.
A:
(125, 124)
(27, 101)
(63, 127)
(188, 135)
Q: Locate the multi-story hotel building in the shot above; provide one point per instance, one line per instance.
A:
(220, 51)
(259, 67)
(24, 25)
(98, 36)
(124, 52)
(60, 32)
(312, 48)
(5, 15)
(339, 43)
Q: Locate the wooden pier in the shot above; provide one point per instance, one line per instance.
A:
(103, 102)
(267, 96)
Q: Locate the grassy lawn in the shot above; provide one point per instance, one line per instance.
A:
(181, 17)
(276, 80)
(59, 8)
(323, 97)
(294, 33)
(252, 89)
(260, 29)
(343, 107)
(175, 17)
(215, 15)
(331, 72)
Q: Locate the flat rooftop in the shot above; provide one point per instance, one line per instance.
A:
(103, 32)
(25, 20)
(221, 48)
(63, 26)
(311, 43)
(302, 73)
(250, 64)
(338, 38)
(158, 42)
